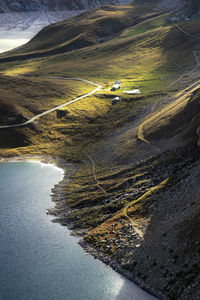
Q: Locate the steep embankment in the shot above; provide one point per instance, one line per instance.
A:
(159, 217)
(178, 121)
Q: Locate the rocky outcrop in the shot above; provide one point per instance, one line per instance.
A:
(193, 7)
(36, 5)
(188, 7)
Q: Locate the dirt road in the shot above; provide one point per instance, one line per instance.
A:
(98, 87)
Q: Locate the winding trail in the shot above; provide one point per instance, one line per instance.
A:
(151, 191)
(140, 134)
(95, 177)
(98, 87)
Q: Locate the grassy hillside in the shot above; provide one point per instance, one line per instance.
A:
(32, 96)
(136, 189)
(85, 30)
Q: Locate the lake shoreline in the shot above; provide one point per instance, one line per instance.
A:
(116, 267)
(58, 162)
(89, 249)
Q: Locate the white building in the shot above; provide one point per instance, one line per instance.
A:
(116, 86)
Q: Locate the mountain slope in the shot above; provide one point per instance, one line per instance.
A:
(84, 30)
(135, 196)
(191, 7)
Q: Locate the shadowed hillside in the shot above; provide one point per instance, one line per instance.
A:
(180, 120)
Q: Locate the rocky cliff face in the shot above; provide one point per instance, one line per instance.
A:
(35, 5)
(80, 4)
(193, 7)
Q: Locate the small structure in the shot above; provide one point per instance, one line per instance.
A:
(116, 100)
(116, 86)
(132, 92)
(61, 113)
(186, 19)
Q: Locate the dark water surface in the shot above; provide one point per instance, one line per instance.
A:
(39, 260)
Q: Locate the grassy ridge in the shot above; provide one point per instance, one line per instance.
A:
(180, 119)
(84, 30)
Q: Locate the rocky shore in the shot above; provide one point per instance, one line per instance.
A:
(115, 266)
(162, 253)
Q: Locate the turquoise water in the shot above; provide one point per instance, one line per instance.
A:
(39, 260)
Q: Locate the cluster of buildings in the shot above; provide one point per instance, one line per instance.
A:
(117, 86)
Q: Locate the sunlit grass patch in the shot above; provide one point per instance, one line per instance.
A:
(23, 68)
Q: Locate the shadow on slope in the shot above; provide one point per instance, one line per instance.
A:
(177, 122)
